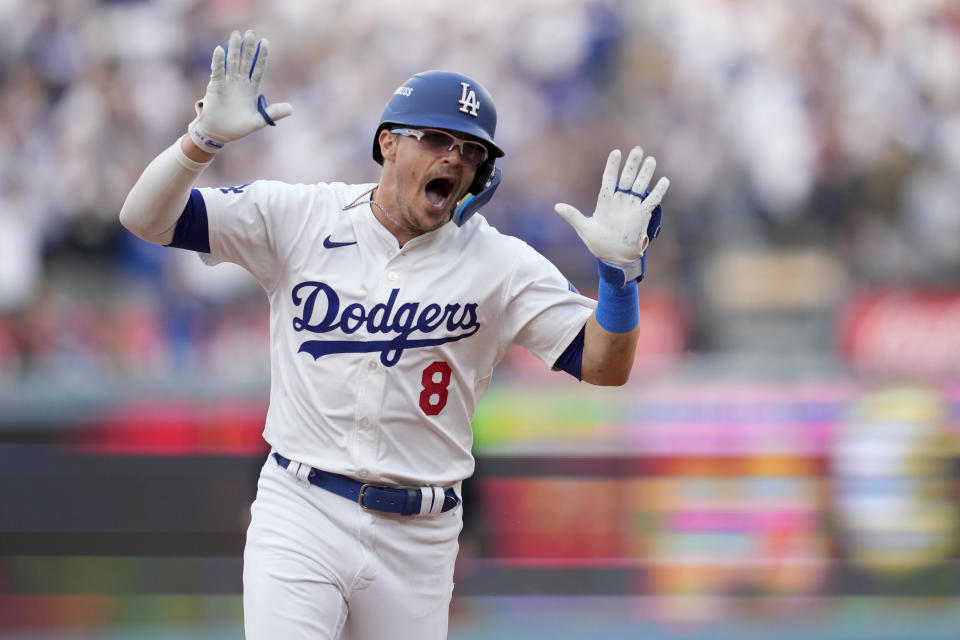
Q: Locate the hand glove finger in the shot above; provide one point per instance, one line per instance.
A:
(630, 169)
(279, 110)
(609, 180)
(656, 196)
(233, 54)
(248, 51)
(643, 177)
(571, 215)
(216, 63)
(259, 63)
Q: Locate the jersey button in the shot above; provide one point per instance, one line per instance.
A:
(372, 364)
(364, 422)
(362, 473)
(392, 275)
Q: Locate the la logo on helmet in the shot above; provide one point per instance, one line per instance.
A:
(468, 100)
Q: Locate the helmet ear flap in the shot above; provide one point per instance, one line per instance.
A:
(471, 202)
(482, 176)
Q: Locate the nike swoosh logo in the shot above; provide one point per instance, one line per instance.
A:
(330, 244)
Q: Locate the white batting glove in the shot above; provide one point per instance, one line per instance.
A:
(617, 231)
(233, 106)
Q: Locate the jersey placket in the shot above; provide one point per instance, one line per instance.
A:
(370, 401)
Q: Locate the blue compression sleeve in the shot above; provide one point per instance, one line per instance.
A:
(618, 302)
(192, 230)
(571, 360)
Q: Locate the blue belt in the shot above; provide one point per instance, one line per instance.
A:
(406, 502)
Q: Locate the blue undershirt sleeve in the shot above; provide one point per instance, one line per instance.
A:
(192, 230)
(571, 360)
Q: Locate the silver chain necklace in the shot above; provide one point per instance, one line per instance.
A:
(358, 202)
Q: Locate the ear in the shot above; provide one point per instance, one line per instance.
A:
(388, 145)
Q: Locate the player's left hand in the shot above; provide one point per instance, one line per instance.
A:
(618, 230)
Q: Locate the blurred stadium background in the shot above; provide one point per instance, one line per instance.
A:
(783, 463)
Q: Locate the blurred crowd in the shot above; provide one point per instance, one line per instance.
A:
(825, 126)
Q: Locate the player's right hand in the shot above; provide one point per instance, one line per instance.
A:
(233, 106)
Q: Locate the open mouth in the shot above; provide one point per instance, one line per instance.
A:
(438, 190)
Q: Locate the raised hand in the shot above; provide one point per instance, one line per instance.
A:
(233, 106)
(620, 228)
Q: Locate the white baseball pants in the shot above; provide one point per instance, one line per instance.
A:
(318, 566)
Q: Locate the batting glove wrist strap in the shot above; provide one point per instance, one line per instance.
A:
(627, 214)
(233, 106)
(618, 275)
(202, 139)
(618, 305)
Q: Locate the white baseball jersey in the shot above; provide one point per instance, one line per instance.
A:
(379, 354)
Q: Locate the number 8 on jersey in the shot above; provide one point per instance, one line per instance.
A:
(435, 380)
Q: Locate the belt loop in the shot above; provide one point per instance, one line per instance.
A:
(291, 467)
(298, 470)
(303, 473)
(426, 500)
(431, 500)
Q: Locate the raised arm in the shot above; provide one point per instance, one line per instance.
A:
(618, 233)
(232, 108)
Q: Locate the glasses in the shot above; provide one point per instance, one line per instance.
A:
(441, 142)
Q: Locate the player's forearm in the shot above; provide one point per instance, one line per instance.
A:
(607, 356)
(156, 201)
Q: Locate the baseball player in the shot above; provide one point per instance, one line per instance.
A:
(390, 305)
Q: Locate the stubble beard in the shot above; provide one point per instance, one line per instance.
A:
(407, 214)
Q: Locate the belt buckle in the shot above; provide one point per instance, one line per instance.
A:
(363, 489)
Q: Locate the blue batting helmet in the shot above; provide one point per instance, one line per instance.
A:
(452, 101)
